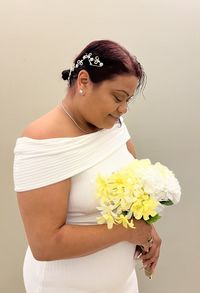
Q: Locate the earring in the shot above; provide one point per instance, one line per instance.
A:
(81, 91)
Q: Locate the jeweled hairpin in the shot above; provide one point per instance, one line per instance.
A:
(93, 61)
(70, 72)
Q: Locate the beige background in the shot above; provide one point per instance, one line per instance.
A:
(39, 39)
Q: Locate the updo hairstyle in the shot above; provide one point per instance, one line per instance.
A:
(116, 60)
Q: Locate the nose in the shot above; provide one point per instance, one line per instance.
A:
(123, 108)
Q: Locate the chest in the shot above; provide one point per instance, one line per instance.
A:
(83, 198)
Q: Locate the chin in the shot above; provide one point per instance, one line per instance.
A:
(110, 124)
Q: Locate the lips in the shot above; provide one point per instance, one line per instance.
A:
(115, 117)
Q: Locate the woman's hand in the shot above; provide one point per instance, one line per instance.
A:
(151, 257)
(141, 234)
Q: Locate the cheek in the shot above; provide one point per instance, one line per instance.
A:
(101, 106)
(107, 105)
(104, 110)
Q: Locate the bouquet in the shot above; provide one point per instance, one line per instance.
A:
(140, 190)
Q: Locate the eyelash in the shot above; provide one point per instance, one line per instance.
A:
(119, 101)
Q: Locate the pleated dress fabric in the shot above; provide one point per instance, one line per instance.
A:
(38, 163)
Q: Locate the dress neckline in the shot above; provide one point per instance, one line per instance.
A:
(78, 137)
(87, 135)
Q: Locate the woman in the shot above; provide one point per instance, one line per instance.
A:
(57, 159)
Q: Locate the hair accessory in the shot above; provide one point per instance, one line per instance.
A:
(93, 61)
(70, 72)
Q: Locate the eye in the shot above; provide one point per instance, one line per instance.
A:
(118, 100)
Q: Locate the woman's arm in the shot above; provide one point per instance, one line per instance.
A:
(44, 212)
(131, 148)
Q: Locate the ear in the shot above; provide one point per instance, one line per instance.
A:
(83, 80)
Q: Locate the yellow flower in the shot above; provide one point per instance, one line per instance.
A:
(124, 221)
(144, 207)
(108, 219)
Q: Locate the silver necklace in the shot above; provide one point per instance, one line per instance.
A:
(62, 106)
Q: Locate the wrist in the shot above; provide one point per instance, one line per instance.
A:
(124, 233)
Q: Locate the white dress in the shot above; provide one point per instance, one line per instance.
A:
(38, 163)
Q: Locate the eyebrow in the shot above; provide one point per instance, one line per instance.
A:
(123, 92)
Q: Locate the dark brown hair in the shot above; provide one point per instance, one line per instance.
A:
(116, 60)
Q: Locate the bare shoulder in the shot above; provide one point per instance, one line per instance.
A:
(131, 147)
(50, 125)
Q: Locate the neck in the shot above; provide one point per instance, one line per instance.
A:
(72, 111)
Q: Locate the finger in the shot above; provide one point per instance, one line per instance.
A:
(151, 260)
(153, 252)
(137, 254)
(148, 272)
(149, 254)
(145, 248)
(154, 265)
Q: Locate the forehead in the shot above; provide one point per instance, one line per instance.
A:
(127, 83)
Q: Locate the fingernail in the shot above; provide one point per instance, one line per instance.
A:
(139, 255)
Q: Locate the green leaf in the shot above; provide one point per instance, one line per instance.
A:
(124, 213)
(167, 202)
(153, 219)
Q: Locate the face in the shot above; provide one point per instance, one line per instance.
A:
(104, 104)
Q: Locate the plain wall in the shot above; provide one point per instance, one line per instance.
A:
(39, 39)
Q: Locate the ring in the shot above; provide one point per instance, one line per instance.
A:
(150, 241)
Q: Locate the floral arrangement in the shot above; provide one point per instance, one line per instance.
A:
(140, 190)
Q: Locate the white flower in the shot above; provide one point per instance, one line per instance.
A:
(174, 189)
